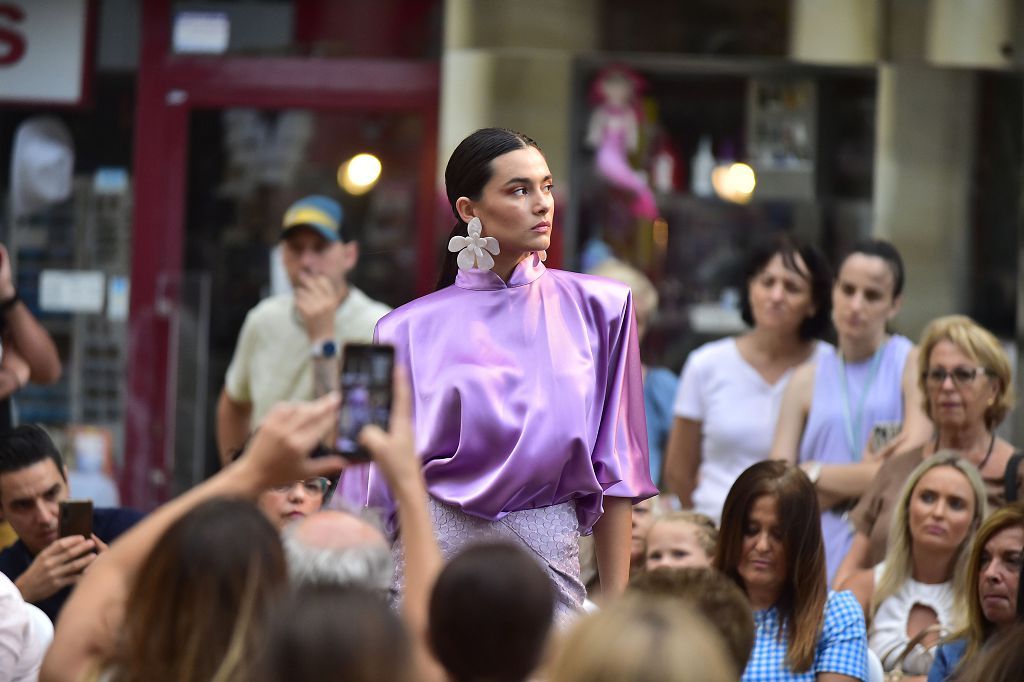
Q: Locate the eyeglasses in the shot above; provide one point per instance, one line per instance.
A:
(315, 487)
(961, 375)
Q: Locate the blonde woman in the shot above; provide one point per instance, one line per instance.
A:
(922, 583)
(965, 383)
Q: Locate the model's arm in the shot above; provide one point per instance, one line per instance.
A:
(682, 459)
(24, 334)
(612, 534)
(796, 404)
(279, 453)
(232, 425)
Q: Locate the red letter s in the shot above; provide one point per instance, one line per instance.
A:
(15, 41)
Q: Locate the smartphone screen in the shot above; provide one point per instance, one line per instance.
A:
(366, 371)
(882, 433)
(75, 518)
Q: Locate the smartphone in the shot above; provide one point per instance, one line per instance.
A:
(882, 433)
(366, 370)
(75, 518)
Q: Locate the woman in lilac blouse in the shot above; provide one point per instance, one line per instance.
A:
(527, 386)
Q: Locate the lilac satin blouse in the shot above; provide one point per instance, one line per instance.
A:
(526, 394)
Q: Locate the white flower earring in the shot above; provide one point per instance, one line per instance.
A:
(473, 249)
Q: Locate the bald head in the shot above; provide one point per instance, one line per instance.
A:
(332, 529)
(337, 548)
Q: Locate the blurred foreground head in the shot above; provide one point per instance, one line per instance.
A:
(330, 632)
(197, 609)
(640, 637)
(490, 613)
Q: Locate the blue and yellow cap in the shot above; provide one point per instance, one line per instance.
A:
(318, 212)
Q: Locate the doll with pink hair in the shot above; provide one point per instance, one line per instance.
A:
(613, 133)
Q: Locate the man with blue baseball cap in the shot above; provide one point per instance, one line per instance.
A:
(289, 344)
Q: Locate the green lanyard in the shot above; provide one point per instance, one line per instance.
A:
(850, 421)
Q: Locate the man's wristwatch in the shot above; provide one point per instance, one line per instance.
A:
(324, 349)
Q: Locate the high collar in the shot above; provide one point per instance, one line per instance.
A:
(527, 272)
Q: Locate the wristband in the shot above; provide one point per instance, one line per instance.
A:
(10, 303)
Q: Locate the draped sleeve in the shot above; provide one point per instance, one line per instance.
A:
(526, 393)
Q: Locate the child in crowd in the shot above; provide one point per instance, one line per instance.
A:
(680, 540)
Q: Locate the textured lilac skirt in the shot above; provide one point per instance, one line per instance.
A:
(550, 534)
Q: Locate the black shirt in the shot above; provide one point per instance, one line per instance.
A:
(107, 525)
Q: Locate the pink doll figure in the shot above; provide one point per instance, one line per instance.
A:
(613, 133)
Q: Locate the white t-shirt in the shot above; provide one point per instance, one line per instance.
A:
(25, 635)
(738, 411)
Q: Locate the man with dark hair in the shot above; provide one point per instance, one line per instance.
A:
(33, 482)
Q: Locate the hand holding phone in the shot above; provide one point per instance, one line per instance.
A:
(882, 434)
(366, 395)
(75, 518)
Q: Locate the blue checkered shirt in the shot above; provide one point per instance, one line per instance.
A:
(842, 648)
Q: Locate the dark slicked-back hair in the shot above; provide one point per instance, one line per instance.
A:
(887, 252)
(815, 271)
(801, 603)
(490, 613)
(468, 170)
(25, 445)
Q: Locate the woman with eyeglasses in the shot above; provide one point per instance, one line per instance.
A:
(834, 405)
(286, 503)
(964, 377)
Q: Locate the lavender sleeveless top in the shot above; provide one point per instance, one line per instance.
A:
(825, 436)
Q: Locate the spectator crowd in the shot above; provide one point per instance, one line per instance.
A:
(828, 512)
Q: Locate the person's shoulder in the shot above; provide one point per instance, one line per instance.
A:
(842, 609)
(715, 350)
(110, 522)
(900, 345)
(270, 308)
(366, 305)
(12, 559)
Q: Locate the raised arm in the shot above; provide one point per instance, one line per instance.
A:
(682, 459)
(279, 453)
(233, 424)
(394, 452)
(23, 333)
(796, 405)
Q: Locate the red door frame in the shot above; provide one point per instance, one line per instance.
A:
(170, 86)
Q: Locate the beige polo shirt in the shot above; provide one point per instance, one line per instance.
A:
(272, 361)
